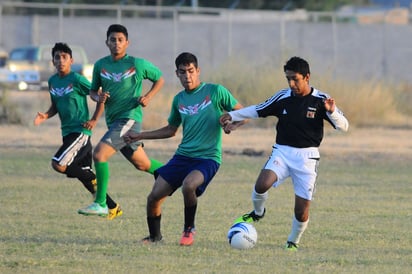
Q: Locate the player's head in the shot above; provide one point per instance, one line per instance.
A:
(186, 58)
(117, 40)
(62, 58)
(117, 28)
(298, 65)
(297, 74)
(187, 70)
(61, 47)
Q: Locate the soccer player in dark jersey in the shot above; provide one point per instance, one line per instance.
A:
(120, 77)
(68, 93)
(197, 109)
(301, 110)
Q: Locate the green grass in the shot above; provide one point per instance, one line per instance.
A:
(360, 220)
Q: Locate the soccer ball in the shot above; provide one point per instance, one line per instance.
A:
(242, 236)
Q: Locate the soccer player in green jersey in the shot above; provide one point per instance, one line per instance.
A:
(198, 157)
(120, 77)
(68, 94)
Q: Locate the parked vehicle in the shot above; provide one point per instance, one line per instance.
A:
(30, 67)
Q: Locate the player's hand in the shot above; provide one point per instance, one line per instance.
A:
(104, 96)
(330, 105)
(143, 101)
(90, 124)
(40, 118)
(131, 137)
(225, 119)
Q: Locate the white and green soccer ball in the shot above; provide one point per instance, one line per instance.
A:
(242, 235)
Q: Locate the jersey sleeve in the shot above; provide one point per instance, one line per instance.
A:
(226, 100)
(174, 117)
(83, 84)
(148, 70)
(96, 81)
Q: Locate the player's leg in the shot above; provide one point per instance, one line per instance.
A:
(299, 222)
(75, 150)
(272, 174)
(138, 158)
(134, 152)
(303, 174)
(161, 189)
(200, 173)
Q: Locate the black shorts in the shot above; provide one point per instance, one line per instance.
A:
(76, 148)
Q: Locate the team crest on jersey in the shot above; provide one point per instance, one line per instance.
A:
(311, 112)
(61, 91)
(195, 109)
(117, 77)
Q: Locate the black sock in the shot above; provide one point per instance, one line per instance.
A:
(110, 203)
(154, 227)
(190, 213)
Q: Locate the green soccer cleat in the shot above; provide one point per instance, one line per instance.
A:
(94, 209)
(250, 217)
(290, 246)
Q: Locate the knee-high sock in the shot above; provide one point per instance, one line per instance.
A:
(190, 213)
(102, 176)
(259, 200)
(153, 224)
(154, 165)
(297, 230)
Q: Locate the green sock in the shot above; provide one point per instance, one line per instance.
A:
(154, 165)
(102, 176)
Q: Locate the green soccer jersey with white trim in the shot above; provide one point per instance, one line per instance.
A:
(123, 79)
(198, 112)
(69, 95)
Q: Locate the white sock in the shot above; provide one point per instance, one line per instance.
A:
(259, 201)
(297, 230)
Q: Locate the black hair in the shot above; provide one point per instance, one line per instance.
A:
(298, 65)
(186, 58)
(117, 28)
(63, 47)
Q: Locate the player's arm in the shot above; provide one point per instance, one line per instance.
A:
(43, 116)
(229, 125)
(336, 116)
(102, 97)
(156, 86)
(161, 133)
(239, 115)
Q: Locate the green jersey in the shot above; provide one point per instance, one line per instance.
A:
(69, 95)
(198, 112)
(123, 79)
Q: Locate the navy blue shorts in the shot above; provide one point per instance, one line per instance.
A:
(176, 170)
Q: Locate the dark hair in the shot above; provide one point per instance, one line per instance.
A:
(63, 47)
(186, 58)
(298, 65)
(117, 28)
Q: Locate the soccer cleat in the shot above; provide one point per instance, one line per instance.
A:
(188, 236)
(250, 217)
(115, 212)
(150, 240)
(291, 246)
(94, 209)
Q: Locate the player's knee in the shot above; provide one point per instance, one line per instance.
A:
(301, 214)
(57, 167)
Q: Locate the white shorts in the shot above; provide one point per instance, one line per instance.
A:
(301, 164)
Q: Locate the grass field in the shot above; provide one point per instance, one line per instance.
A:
(360, 219)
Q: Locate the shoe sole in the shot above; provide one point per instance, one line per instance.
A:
(93, 214)
(118, 214)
